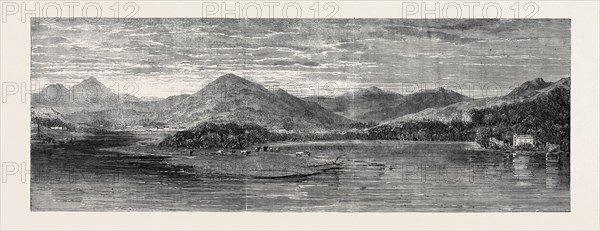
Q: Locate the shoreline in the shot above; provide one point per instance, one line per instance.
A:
(262, 165)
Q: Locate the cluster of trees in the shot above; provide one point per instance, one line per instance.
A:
(362, 125)
(424, 131)
(333, 135)
(211, 135)
(232, 135)
(546, 118)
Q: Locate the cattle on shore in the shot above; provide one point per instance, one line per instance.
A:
(267, 149)
(246, 152)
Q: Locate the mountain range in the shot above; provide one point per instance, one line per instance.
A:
(375, 104)
(527, 91)
(231, 98)
(90, 94)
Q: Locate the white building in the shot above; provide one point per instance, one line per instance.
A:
(522, 139)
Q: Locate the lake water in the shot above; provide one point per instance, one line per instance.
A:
(380, 176)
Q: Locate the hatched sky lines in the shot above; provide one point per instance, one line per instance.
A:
(172, 56)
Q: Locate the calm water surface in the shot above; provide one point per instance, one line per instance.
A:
(380, 176)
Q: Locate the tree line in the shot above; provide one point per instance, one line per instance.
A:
(211, 135)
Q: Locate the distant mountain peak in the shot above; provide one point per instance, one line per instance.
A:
(436, 90)
(91, 79)
(279, 90)
(564, 83)
(538, 82)
(439, 89)
(230, 78)
(370, 91)
(90, 82)
(529, 87)
(374, 89)
(229, 83)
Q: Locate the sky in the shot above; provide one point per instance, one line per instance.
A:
(306, 57)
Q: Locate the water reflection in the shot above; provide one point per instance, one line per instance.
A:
(376, 177)
(521, 167)
(552, 170)
(558, 171)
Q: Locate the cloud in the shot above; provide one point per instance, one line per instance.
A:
(288, 63)
(369, 50)
(457, 24)
(430, 34)
(50, 40)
